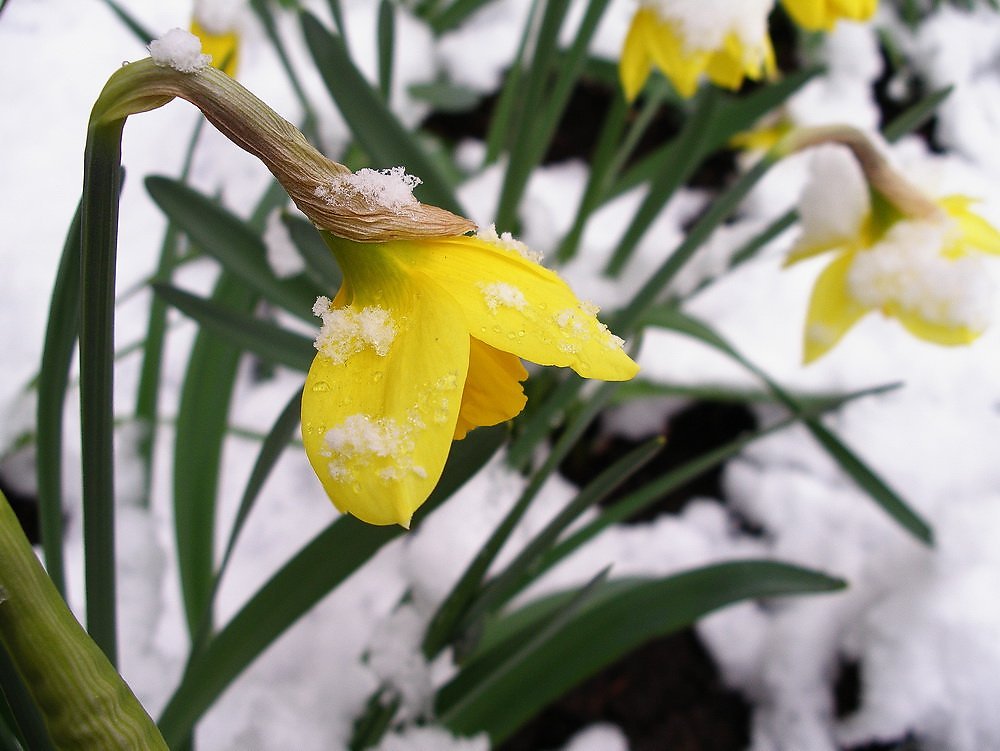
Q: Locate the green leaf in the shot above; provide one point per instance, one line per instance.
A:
(61, 333)
(455, 14)
(386, 42)
(620, 617)
(524, 567)
(375, 127)
(232, 242)
(915, 116)
(20, 712)
(861, 473)
(202, 422)
(444, 96)
(265, 340)
(318, 568)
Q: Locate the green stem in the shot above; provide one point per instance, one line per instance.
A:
(85, 703)
(101, 185)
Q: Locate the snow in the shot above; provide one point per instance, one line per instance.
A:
(180, 50)
(922, 624)
(704, 24)
(389, 188)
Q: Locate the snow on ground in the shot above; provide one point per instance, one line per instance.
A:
(922, 624)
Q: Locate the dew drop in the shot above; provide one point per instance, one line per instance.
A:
(321, 387)
(511, 335)
(520, 333)
(377, 376)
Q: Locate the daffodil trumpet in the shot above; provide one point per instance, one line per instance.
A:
(822, 15)
(424, 340)
(898, 250)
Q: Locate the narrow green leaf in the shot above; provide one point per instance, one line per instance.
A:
(265, 340)
(455, 14)
(444, 96)
(23, 718)
(266, 18)
(318, 568)
(271, 449)
(652, 491)
(231, 241)
(61, 333)
(374, 126)
(202, 421)
(860, 472)
(141, 32)
(544, 105)
(912, 118)
(523, 568)
(386, 43)
(617, 619)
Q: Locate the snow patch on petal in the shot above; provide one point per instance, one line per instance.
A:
(346, 331)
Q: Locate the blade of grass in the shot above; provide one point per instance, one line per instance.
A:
(318, 568)
(265, 340)
(375, 127)
(61, 333)
(912, 118)
(455, 14)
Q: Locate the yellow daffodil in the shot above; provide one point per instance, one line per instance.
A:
(214, 24)
(822, 15)
(920, 264)
(422, 344)
(686, 39)
(423, 341)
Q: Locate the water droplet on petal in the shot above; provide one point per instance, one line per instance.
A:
(320, 387)
(377, 376)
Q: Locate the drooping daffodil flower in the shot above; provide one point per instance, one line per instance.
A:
(423, 343)
(687, 39)
(915, 259)
(822, 15)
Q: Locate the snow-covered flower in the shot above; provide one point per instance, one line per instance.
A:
(913, 258)
(685, 39)
(822, 15)
(422, 344)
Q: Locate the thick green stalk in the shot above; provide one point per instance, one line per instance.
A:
(85, 703)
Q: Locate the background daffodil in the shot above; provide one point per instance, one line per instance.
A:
(924, 270)
(214, 23)
(422, 344)
(822, 15)
(686, 39)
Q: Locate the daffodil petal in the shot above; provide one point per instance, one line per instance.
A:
(812, 15)
(517, 305)
(635, 62)
(378, 427)
(682, 66)
(951, 336)
(493, 390)
(974, 230)
(832, 309)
